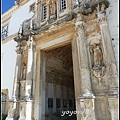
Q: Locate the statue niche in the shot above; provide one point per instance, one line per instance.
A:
(97, 55)
(53, 9)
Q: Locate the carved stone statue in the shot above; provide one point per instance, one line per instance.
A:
(52, 8)
(97, 55)
(24, 71)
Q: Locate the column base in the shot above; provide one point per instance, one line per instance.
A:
(29, 110)
(113, 107)
(87, 108)
(22, 110)
(13, 111)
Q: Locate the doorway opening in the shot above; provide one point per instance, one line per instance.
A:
(59, 84)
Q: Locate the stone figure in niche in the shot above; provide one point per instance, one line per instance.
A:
(24, 71)
(53, 8)
(97, 55)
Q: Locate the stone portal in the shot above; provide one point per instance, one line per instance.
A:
(59, 84)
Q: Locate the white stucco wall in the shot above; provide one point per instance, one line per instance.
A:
(23, 13)
(113, 18)
(8, 49)
(8, 66)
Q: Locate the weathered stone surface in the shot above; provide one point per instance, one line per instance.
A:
(92, 74)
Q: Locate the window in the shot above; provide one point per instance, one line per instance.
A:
(32, 7)
(50, 102)
(4, 32)
(62, 4)
(57, 103)
(3, 103)
(44, 11)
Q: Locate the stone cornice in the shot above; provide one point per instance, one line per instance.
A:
(9, 38)
(56, 31)
(82, 8)
(8, 13)
(22, 2)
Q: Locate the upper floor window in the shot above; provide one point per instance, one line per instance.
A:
(32, 7)
(62, 4)
(44, 11)
(3, 103)
(4, 32)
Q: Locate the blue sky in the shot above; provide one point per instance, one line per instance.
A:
(6, 5)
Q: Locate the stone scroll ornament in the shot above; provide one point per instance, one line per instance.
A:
(98, 68)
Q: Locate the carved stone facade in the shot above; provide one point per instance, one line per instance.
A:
(71, 53)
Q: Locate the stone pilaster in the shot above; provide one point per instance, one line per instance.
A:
(113, 107)
(80, 63)
(85, 82)
(14, 102)
(29, 79)
(17, 78)
(109, 60)
(29, 75)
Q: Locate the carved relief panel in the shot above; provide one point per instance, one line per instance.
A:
(97, 66)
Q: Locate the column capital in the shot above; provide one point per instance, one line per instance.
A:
(30, 42)
(101, 14)
(18, 50)
(79, 23)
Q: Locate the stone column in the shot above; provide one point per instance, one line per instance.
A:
(14, 102)
(61, 98)
(29, 75)
(80, 64)
(85, 81)
(54, 98)
(110, 62)
(29, 79)
(16, 92)
(108, 52)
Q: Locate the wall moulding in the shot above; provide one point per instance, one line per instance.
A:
(53, 33)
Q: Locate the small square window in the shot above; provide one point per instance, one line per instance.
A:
(50, 102)
(44, 11)
(62, 4)
(57, 103)
(4, 32)
(64, 103)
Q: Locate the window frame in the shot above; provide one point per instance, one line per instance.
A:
(44, 11)
(63, 5)
(4, 33)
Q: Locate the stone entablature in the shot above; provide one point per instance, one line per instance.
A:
(21, 2)
(40, 25)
